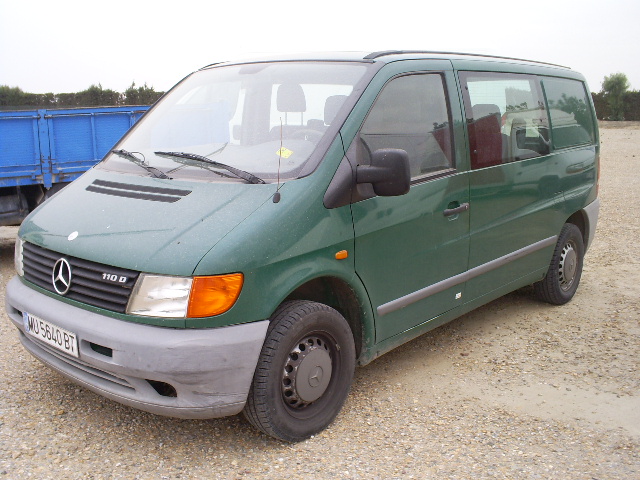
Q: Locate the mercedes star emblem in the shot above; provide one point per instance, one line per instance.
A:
(61, 276)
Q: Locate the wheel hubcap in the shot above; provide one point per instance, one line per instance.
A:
(307, 372)
(568, 266)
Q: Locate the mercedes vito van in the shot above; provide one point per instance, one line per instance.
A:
(268, 225)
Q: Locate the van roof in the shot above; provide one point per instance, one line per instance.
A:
(388, 56)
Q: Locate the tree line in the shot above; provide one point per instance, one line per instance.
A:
(13, 98)
(613, 102)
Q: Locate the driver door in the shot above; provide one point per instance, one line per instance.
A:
(409, 248)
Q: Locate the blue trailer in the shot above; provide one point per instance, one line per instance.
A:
(41, 151)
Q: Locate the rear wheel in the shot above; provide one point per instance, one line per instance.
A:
(304, 372)
(562, 279)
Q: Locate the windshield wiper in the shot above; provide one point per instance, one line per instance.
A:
(133, 159)
(249, 177)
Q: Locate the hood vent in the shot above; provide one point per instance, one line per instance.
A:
(140, 192)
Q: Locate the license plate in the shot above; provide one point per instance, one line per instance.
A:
(51, 334)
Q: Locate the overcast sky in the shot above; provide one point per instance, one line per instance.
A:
(67, 45)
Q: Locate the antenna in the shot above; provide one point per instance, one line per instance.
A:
(276, 196)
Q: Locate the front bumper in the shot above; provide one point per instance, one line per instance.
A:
(210, 370)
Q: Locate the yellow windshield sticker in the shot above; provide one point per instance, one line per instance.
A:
(284, 152)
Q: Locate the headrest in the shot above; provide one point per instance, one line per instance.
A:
(518, 122)
(331, 107)
(484, 110)
(291, 98)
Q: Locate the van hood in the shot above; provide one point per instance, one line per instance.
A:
(142, 223)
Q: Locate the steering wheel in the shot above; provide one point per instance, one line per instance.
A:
(308, 134)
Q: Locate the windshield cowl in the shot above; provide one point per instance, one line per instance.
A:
(206, 162)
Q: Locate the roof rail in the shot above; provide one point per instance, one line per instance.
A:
(211, 65)
(375, 55)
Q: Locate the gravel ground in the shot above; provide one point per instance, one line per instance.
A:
(514, 390)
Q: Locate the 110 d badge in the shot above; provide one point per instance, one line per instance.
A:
(112, 277)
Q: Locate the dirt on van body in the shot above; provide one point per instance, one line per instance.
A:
(516, 389)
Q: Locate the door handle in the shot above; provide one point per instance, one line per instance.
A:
(454, 211)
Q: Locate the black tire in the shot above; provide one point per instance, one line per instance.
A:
(305, 340)
(562, 279)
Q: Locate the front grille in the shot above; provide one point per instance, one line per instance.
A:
(95, 284)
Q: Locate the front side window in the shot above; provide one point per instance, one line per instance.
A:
(570, 112)
(411, 113)
(506, 118)
(265, 119)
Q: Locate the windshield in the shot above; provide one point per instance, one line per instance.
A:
(265, 119)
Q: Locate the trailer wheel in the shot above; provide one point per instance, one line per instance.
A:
(55, 188)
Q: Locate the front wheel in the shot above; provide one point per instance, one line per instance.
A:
(304, 372)
(562, 279)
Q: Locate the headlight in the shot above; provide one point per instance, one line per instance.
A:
(184, 297)
(159, 296)
(18, 257)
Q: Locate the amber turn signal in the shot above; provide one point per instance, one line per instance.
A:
(342, 254)
(213, 295)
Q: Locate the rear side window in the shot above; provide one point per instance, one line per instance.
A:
(411, 113)
(570, 112)
(506, 118)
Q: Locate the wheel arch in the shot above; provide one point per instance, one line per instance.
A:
(586, 219)
(579, 220)
(340, 295)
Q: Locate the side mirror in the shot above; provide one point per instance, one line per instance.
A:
(388, 173)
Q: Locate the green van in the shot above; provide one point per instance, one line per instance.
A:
(270, 224)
